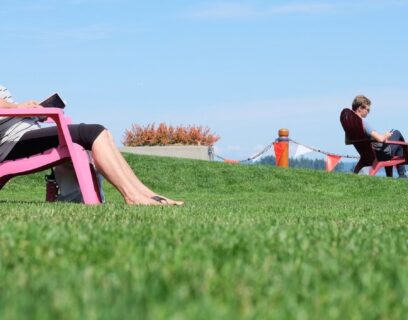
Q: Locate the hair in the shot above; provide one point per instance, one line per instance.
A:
(360, 101)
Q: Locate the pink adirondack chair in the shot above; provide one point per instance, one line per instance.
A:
(354, 129)
(66, 151)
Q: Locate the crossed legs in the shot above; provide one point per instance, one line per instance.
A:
(397, 150)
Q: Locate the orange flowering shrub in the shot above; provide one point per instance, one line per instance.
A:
(162, 135)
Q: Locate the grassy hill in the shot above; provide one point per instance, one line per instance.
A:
(251, 242)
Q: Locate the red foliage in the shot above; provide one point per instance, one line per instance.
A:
(167, 135)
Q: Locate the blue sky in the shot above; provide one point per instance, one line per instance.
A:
(243, 68)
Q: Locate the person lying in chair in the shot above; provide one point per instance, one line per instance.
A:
(362, 106)
(24, 137)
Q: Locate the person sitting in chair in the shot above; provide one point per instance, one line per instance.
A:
(362, 106)
(24, 137)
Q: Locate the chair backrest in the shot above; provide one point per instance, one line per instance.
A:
(354, 129)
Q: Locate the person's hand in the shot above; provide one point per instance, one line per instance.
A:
(29, 104)
(387, 135)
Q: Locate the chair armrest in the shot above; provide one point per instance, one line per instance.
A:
(401, 143)
(56, 114)
(30, 112)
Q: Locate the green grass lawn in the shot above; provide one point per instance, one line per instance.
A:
(251, 242)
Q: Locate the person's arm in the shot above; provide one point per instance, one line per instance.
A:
(369, 131)
(380, 137)
(27, 104)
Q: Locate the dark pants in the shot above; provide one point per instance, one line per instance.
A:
(39, 140)
(396, 150)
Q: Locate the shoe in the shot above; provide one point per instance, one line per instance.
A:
(402, 176)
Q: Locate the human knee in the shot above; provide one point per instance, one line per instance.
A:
(396, 136)
(88, 133)
(397, 132)
(105, 135)
(109, 134)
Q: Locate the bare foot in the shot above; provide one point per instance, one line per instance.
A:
(163, 200)
(141, 200)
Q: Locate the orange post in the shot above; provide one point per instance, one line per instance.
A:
(283, 139)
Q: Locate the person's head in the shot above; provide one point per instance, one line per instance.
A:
(361, 105)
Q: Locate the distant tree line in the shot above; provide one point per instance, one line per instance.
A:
(301, 162)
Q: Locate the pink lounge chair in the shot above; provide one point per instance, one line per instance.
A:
(353, 127)
(66, 151)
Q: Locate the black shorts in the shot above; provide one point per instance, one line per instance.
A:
(39, 140)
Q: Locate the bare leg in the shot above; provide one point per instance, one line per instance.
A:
(107, 165)
(134, 179)
(110, 162)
